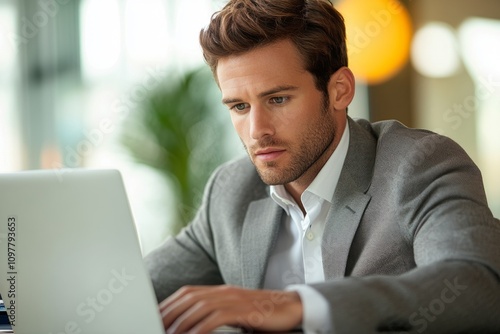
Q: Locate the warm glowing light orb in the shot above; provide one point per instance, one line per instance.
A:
(434, 51)
(378, 37)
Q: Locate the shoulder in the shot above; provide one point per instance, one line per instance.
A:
(241, 167)
(238, 178)
(410, 163)
(394, 131)
(400, 144)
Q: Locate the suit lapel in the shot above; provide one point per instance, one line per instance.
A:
(260, 230)
(349, 201)
(342, 223)
(263, 217)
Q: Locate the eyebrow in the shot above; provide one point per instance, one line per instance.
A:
(271, 91)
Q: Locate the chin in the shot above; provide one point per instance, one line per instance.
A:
(274, 178)
(271, 179)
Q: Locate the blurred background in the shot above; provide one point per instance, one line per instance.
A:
(122, 84)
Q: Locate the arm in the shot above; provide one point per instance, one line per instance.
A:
(187, 259)
(447, 297)
(451, 290)
(183, 266)
(208, 251)
(443, 215)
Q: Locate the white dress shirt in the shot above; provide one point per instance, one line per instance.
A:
(296, 259)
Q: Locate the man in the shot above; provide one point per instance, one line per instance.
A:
(332, 225)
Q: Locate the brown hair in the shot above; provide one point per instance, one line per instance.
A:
(315, 27)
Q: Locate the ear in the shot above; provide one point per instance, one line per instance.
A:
(341, 88)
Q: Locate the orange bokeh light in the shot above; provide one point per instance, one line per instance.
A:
(378, 37)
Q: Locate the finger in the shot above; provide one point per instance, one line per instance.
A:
(236, 306)
(203, 317)
(187, 298)
(244, 308)
(179, 294)
(199, 308)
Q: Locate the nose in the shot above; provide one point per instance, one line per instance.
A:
(261, 123)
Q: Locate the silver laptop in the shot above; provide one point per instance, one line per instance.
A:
(70, 260)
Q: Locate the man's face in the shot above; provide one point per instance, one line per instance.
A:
(281, 117)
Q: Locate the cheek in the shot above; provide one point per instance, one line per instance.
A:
(239, 126)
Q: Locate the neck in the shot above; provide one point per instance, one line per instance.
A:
(296, 188)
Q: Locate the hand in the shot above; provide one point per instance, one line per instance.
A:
(201, 309)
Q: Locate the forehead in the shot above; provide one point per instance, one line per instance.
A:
(275, 64)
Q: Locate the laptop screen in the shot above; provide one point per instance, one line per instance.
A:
(70, 254)
(4, 318)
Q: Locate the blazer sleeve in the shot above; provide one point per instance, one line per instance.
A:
(188, 258)
(443, 214)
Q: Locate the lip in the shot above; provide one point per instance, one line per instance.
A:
(269, 154)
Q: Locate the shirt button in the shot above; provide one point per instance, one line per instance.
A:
(309, 235)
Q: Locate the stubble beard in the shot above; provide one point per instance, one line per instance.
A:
(316, 141)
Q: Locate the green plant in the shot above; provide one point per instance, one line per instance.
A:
(180, 131)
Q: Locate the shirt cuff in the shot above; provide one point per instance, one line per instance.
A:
(316, 310)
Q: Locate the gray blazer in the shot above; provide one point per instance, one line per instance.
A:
(409, 244)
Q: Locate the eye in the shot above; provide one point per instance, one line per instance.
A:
(278, 99)
(239, 107)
